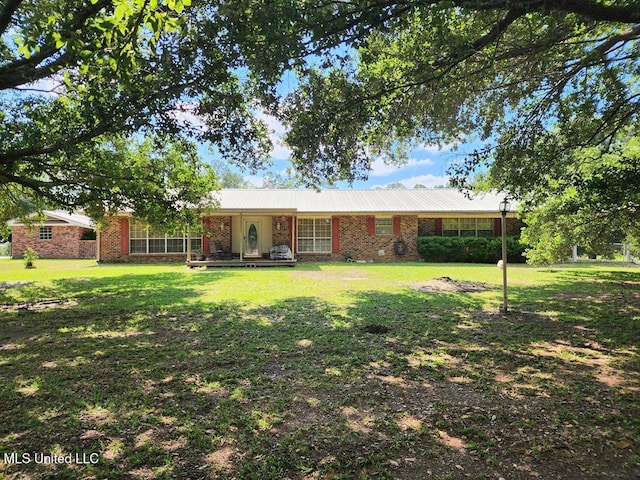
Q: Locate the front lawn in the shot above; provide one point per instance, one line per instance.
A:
(339, 371)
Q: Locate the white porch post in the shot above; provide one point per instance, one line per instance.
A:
(188, 244)
(574, 255)
(241, 237)
(294, 224)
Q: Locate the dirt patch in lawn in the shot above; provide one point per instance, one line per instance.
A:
(447, 284)
(355, 274)
(41, 305)
(8, 285)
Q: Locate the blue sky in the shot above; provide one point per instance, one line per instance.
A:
(427, 165)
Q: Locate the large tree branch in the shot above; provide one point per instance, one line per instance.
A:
(596, 10)
(36, 67)
(8, 9)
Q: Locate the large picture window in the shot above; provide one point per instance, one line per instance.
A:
(314, 235)
(467, 227)
(144, 239)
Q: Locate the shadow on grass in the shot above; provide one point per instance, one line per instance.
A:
(163, 385)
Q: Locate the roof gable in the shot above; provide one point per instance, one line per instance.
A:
(60, 218)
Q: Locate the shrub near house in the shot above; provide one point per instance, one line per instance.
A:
(469, 249)
(368, 225)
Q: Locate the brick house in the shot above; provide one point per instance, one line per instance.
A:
(61, 235)
(316, 226)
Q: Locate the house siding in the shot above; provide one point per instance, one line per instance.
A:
(350, 234)
(357, 237)
(65, 242)
(114, 245)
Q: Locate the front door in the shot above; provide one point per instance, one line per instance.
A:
(252, 238)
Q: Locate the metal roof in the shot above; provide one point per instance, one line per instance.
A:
(60, 217)
(441, 200)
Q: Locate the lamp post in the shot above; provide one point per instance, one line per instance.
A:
(504, 207)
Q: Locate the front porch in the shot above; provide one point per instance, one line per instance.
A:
(237, 262)
(246, 239)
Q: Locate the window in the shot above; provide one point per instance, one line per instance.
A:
(467, 227)
(144, 239)
(314, 235)
(484, 227)
(450, 227)
(384, 226)
(45, 233)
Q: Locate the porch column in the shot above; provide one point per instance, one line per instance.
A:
(294, 234)
(188, 244)
(241, 237)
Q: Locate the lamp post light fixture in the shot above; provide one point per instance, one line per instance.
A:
(504, 208)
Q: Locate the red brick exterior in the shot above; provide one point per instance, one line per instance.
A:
(353, 234)
(282, 236)
(114, 245)
(357, 237)
(65, 242)
(218, 232)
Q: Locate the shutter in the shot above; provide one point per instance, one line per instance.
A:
(335, 235)
(438, 227)
(371, 225)
(497, 227)
(124, 236)
(397, 226)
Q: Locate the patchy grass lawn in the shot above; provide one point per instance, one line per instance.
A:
(337, 371)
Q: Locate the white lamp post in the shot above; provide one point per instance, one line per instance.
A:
(504, 208)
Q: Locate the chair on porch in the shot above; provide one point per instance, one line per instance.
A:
(215, 252)
(281, 252)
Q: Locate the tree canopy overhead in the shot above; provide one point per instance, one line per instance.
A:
(386, 75)
(77, 77)
(545, 84)
(550, 88)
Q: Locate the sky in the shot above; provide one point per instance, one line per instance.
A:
(427, 165)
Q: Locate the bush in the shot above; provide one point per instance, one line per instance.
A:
(29, 256)
(469, 249)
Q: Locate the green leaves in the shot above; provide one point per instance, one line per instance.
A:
(118, 71)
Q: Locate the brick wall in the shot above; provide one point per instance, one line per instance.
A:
(111, 245)
(354, 237)
(65, 242)
(282, 236)
(426, 227)
(213, 232)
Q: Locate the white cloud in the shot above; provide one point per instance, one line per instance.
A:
(436, 148)
(380, 169)
(256, 180)
(276, 132)
(185, 113)
(429, 181)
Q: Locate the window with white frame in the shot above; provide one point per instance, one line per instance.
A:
(467, 227)
(384, 225)
(314, 235)
(45, 233)
(144, 239)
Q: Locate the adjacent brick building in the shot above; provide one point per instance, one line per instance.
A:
(60, 235)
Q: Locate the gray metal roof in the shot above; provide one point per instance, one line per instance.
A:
(357, 201)
(60, 217)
